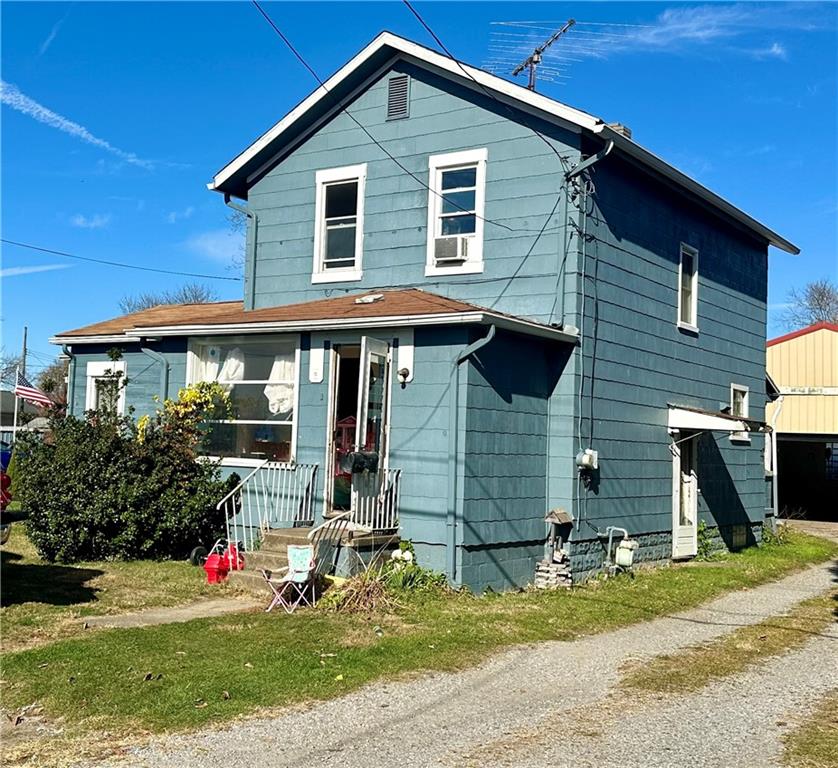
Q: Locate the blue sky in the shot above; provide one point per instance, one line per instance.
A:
(115, 115)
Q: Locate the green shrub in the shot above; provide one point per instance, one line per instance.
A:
(102, 487)
(403, 573)
(704, 542)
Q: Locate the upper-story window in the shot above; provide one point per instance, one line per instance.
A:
(688, 288)
(339, 224)
(739, 407)
(457, 184)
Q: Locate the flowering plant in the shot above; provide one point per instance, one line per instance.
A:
(402, 571)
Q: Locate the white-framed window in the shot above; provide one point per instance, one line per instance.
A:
(739, 406)
(262, 378)
(688, 288)
(456, 201)
(339, 224)
(105, 386)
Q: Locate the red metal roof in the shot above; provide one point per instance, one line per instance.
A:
(822, 326)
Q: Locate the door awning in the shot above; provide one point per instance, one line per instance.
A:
(687, 417)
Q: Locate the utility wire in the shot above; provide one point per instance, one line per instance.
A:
(116, 263)
(341, 104)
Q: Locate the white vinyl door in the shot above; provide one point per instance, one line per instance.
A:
(371, 427)
(685, 500)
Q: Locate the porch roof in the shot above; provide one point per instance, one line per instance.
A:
(689, 417)
(372, 309)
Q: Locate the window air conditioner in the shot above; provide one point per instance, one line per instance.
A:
(450, 250)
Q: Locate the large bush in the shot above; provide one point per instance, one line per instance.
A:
(102, 487)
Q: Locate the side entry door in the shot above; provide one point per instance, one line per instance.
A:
(371, 428)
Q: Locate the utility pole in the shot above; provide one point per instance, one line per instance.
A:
(23, 353)
(534, 59)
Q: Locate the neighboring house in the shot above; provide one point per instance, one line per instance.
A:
(26, 412)
(804, 366)
(478, 311)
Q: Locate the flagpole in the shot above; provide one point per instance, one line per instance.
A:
(14, 423)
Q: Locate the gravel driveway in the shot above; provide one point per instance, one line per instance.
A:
(551, 704)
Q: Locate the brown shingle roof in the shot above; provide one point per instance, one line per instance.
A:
(407, 302)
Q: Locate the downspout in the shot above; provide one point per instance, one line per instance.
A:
(71, 383)
(453, 430)
(250, 265)
(774, 463)
(164, 370)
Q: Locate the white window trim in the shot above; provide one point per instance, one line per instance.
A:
(192, 363)
(744, 437)
(99, 370)
(322, 178)
(693, 325)
(436, 164)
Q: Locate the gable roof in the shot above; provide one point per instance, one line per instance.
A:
(373, 309)
(822, 326)
(235, 178)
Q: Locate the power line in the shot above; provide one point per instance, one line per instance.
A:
(116, 263)
(562, 160)
(341, 104)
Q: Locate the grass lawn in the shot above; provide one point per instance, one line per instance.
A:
(693, 668)
(815, 743)
(41, 602)
(179, 676)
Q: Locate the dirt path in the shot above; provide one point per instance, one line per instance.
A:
(201, 609)
(553, 704)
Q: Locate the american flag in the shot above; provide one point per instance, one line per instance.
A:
(25, 390)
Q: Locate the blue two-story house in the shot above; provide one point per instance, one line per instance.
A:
(511, 306)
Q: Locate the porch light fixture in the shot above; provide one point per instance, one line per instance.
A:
(403, 374)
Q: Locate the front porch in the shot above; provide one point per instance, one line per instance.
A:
(275, 506)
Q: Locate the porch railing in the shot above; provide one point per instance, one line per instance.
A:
(377, 500)
(276, 494)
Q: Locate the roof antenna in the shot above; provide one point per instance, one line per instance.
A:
(534, 59)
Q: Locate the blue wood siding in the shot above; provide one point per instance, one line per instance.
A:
(505, 496)
(524, 178)
(141, 371)
(637, 360)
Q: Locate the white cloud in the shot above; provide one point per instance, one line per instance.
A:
(774, 51)
(714, 27)
(12, 97)
(175, 216)
(220, 245)
(53, 33)
(18, 271)
(96, 221)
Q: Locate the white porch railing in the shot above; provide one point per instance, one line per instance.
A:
(275, 494)
(376, 497)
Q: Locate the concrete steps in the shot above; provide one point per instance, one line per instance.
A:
(272, 555)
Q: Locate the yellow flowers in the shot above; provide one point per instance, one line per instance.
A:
(197, 403)
(142, 425)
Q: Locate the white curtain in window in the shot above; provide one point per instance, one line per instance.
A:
(281, 395)
(232, 369)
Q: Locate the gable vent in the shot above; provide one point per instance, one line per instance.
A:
(397, 97)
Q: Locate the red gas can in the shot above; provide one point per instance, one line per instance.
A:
(216, 568)
(233, 559)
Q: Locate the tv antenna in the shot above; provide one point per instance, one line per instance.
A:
(534, 59)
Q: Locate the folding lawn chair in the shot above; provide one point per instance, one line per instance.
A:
(292, 589)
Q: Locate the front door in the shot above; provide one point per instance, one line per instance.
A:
(685, 498)
(371, 428)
